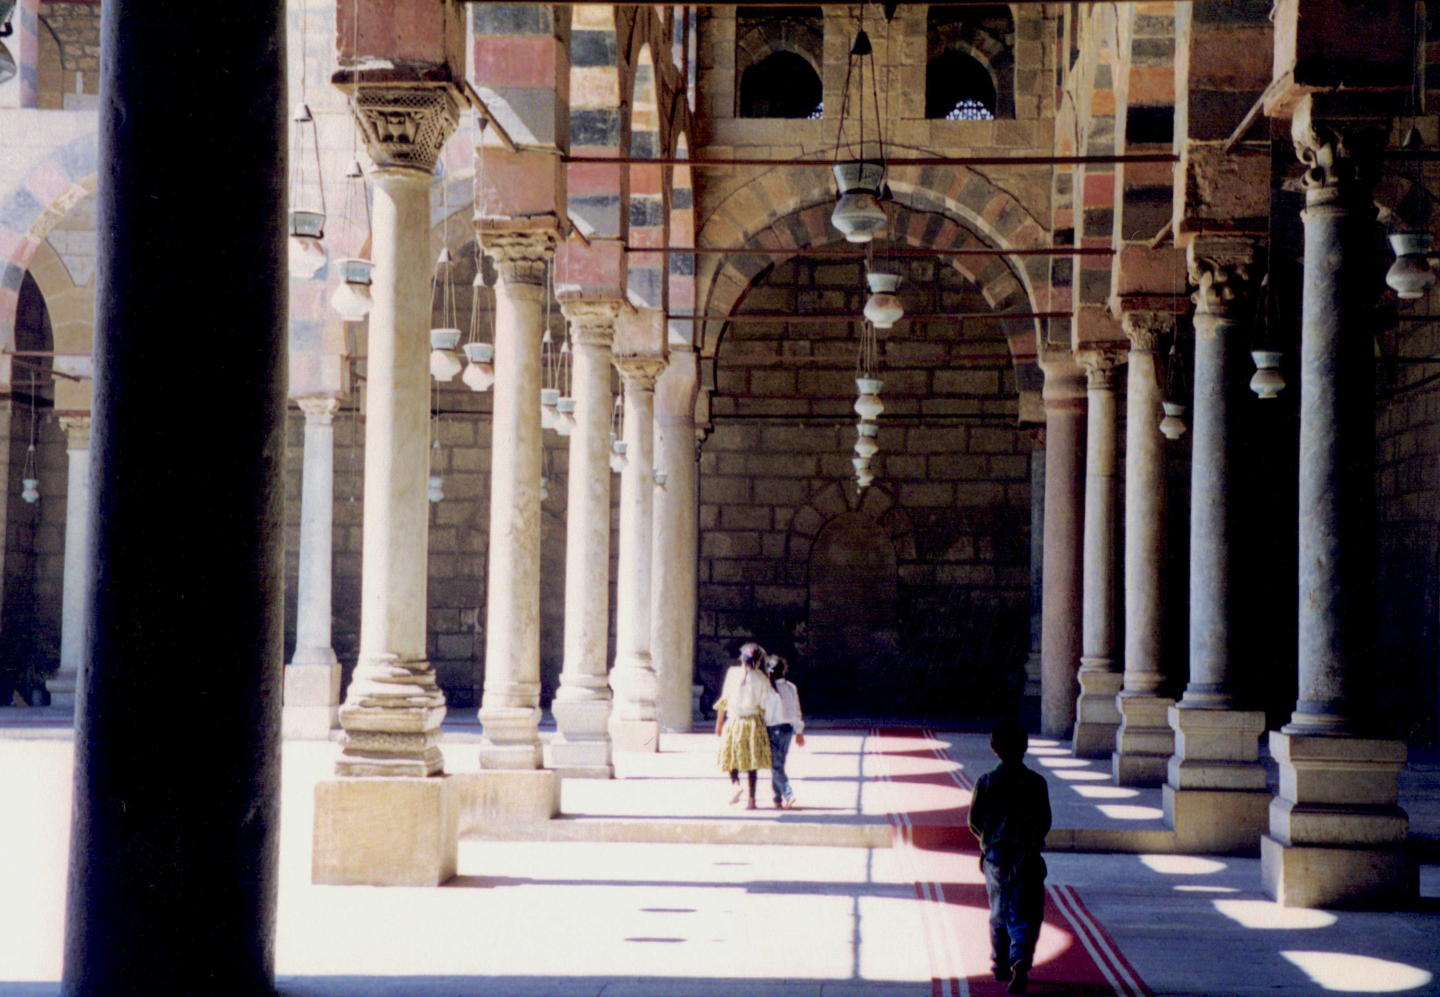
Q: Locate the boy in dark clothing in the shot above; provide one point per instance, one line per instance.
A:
(1010, 814)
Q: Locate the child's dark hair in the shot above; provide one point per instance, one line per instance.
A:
(1009, 740)
(776, 667)
(752, 655)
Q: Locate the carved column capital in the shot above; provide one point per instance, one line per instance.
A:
(520, 257)
(405, 126)
(1339, 138)
(1100, 361)
(592, 321)
(1225, 272)
(77, 431)
(1146, 329)
(319, 410)
(640, 371)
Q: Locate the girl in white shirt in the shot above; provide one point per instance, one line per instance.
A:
(782, 720)
(740, 722)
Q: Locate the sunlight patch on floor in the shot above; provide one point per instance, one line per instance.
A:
(1181, 865)
(1129, 811)
(1267, 915)
(1106, 792)
(1345, 973)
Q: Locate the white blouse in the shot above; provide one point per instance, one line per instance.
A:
(782, 706)
(743, 694)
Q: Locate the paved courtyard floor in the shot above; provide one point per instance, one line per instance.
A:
(651, 916)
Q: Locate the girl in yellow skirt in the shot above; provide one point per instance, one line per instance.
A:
(744, 744)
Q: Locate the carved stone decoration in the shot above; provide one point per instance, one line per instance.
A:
(1147, 329)
(643, 371)
(405, 126)
(1100, 361)
(520, 257)
(592, 323)
(1339, 139)
(1225, 272)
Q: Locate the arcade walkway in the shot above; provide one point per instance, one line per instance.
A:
(653, 885)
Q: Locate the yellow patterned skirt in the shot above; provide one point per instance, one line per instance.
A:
(744, 745)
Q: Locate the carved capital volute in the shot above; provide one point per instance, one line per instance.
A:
(1225, 272)
(592, 322)
(405, 126)
(1146, 329)
(640, 371)
(319, 410)
(520, 257)
(1339, 138)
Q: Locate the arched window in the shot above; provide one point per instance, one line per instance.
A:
(782, 85)
(958, 88)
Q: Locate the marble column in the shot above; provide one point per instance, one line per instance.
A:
(581, 746)
(1037, 563)
(510, 705)
(174, 835)
(1060, 644)
(77, 561)
(1096, 718)
(635, 725)
(1145, 741)
(1336, 832)
(1215, 785)
(393, 707)
(674, 598)
(312, 679)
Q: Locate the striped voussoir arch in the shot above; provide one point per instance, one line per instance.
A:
(28, 211)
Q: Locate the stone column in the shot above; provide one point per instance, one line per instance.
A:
(77, 561)
(1337, 835)
(1096, 718)
(1215, 786)
(510, 706)
(393, 707)
(634, 725)
(673, 603)
(1060, 644)
(312, 679)
(581, 746)
(173, 871)
(1037, 562)
(1145, 741)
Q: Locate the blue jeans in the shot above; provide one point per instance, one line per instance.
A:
(1015, 884)
(780, 736)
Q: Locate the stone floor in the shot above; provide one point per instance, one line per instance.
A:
(716, 909)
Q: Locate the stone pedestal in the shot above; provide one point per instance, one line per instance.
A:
(581, 746)
(510, 706)
(506, 796)
(1215, 795)
(312, 679)
(63, 683)
(1145, 740)
(1096, 718)
(1337, 834)
(385, 832)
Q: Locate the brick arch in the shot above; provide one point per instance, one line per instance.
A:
(835, 499)
(680, 222)
(1004, 287)
(28, 212)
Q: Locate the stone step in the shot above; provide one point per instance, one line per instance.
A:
(854, 832)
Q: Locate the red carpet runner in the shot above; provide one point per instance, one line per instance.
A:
(927, 800)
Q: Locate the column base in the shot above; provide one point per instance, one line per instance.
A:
(1217, 822)
(511, 737)
(385, 832)
(400, 743)
(61, 687)
(312, 701)
(506, 797)
(1096, 718)
(1216, 750)
(1144, 741)
(635, 735)
(579, 759)
(1337, 832)
(1314, 876)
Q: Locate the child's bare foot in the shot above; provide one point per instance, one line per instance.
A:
(735, 796)
(750, 803)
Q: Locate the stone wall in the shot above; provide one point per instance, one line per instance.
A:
(784, 533)
(71, 47)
